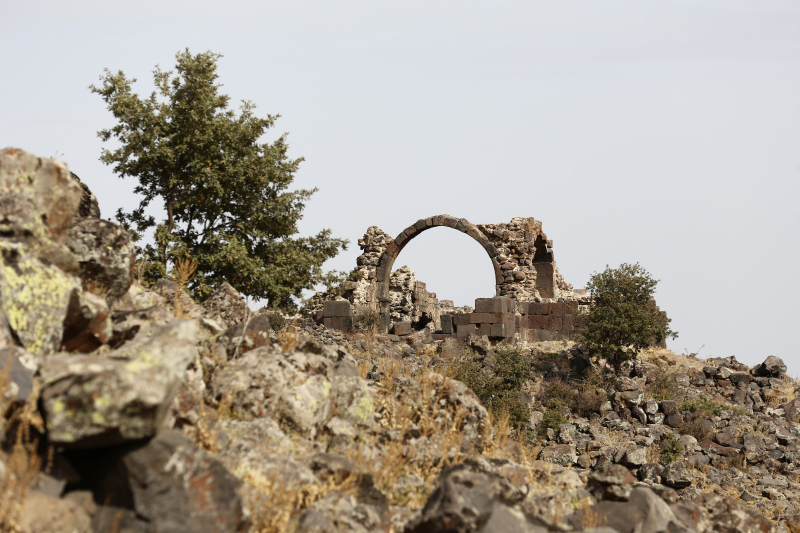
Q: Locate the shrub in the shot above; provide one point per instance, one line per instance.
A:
(499, 387)
(621, 321)
(671, 448)
(276, 320)
(368, 320)
(552, 419)
(702, 405)
(698, 427)
(582, 399)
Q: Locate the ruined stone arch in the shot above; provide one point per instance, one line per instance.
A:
(386, 262)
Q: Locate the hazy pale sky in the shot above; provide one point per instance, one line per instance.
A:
(666, 133)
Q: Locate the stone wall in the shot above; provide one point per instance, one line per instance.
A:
(521, 254)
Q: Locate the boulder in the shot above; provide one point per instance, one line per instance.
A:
(106, 256)
(89, 207)
(466, 500)
(298, 389)
(92, 401)
(772, 366)
(676, 475)
(635, 457)
(611, 482)
(560, 454)
(42, 513)
(644, 512)
(87, 325)
(227, 304)
(35, 298)
(20, 376)
(47, 183)
(165, 484)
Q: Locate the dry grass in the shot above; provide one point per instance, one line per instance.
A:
(182, 274)
(21, 465)
(775, 396)
(275, 503)
(289, 337)
(591, 519)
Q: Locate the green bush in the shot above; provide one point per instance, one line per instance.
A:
(368, 320)
(499, 387)
(276, 320)
(671, 448)
(552, 419)
(661, 385)
(582, 399)
(621, 321)
(698, 427)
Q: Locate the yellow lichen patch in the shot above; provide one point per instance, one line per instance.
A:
(142, 362)
(34, 297)
(364, 408)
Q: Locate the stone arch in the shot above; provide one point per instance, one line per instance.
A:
(386, 262)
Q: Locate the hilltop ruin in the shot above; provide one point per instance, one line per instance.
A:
(532, 299)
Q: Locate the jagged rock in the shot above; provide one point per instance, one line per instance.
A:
(559, 454)
(299, 389)
(165, 484)
(42, 513)
(87, 325)
(644, 512)
(635, 457)
(47, 183)
(227, 304)
(89, 207)
(710, 512)
(93, 401)
(106, 255)
(771, 367)
(611, 482)
(20, 376)
(466, 501)
(676, 475)
(35, 298)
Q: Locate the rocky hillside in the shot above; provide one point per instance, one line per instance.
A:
(127, 408)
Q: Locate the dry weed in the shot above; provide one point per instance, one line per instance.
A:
(289, 337)
(591, 519)
(22, 464)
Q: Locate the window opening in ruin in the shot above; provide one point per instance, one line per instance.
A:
(450, 263)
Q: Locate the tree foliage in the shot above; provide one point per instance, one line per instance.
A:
(621, 320)
(225, 193)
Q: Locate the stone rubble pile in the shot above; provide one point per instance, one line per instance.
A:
(161, 414)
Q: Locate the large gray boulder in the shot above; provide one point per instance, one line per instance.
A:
(466, 500)
(91, 401)
(38, 200)
(106, 255)
(46, 183)
(165, 484)
(35, 297)
(302, 390)
(226, 304)
(644, 512)
(772, 366)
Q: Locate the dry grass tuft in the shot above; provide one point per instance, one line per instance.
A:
(20, 466)
(591, 519)
(289, 337)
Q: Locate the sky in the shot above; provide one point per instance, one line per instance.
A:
(664, 133)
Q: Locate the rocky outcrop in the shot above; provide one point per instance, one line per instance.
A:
(97, 401)
(106, 255)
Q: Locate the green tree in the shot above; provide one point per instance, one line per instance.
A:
(621, 320)
(223, 190)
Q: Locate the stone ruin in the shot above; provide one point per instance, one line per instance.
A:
(532, 300)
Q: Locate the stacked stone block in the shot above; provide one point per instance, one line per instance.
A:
(337, 314)
(548, 321)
